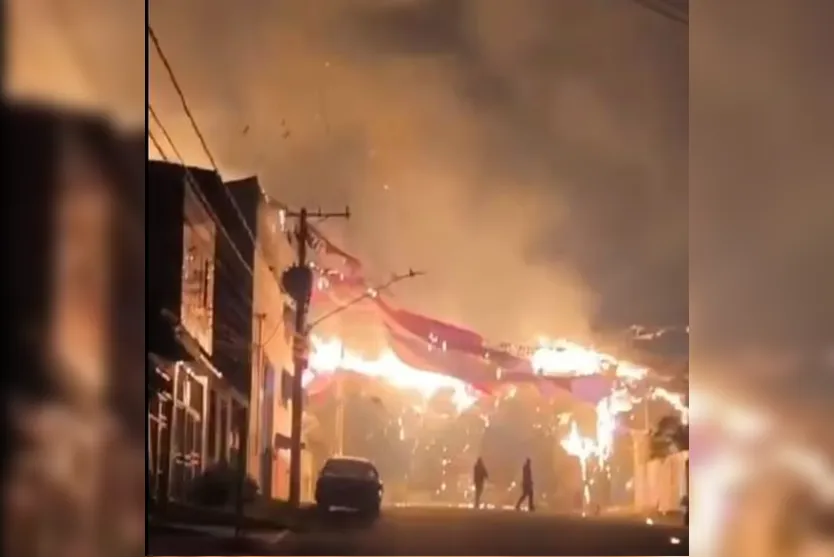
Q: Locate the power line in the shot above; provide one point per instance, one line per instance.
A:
(181, 95)
(203, 143)
(157, 145)
(258, 249)
(193, 186)
(238, 303)
(191, 182)
(666, 10)
(197, 131)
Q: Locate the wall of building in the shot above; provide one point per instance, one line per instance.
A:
(181, 245)
(270, 327)
(199, 242)
(164, 247)
(272, 309)
(640, 454)
(233, 284)
(250, 313)
(667, 482)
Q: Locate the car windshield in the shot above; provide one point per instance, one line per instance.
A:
(349, 469)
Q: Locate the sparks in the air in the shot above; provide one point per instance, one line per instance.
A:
(550, 358)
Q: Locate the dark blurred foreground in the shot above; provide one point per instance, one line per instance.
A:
(75, 420)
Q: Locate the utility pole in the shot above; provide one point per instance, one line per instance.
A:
(298, 281)
(340, 377)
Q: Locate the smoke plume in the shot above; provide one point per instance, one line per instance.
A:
(529, 156)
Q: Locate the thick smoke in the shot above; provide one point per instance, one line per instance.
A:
(529, 156)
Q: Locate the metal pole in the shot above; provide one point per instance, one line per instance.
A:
(204, 432)
(172, 432)
(257, 411)
(299, 365)
(243, 457)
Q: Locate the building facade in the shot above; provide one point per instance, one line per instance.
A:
(220, 332)
(659, 483)
(196, 417)
(667, 482)
(271, 333)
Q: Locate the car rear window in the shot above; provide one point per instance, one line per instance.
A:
(349, 469)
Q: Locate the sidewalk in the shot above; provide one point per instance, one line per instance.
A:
(262, 514)
(182, 529)
(209, 540)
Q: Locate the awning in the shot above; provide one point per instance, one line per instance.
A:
(160, 364)
(202, 365)
(192, 346)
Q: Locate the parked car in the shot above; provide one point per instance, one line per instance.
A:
(349, 483)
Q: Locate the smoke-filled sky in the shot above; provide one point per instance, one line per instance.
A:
(530, 156)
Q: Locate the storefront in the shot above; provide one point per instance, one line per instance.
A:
(195, 423)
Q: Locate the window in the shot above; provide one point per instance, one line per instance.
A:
(197, 270)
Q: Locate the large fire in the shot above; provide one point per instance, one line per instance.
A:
(326, 356)
(550, 358)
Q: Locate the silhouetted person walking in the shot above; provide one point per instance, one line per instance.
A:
(526, 487)
(479, 476)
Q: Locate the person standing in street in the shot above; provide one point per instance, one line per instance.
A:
(526, 487)
(479, 476)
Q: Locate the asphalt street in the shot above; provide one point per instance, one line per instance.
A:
(440, 531)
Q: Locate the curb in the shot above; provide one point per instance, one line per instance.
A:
(270, 537)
